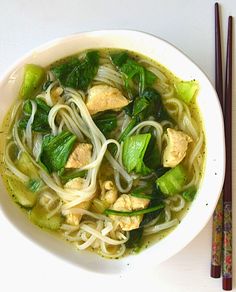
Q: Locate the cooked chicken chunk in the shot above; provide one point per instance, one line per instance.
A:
(80, 156)
(108, 192)
(76, 183)
(129, 203)
(104, 97)
(176, 148)
(74, 219)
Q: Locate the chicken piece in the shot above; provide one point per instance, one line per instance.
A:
(77, 184)
(80, 156)
(177, 145)
(74, 219)
(104, 97)
(129, 203)
(108, 192)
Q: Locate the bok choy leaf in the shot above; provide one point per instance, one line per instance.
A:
(135, 76)
(56, 150)
(40, 123)
(34, 76)
(186, 90)
(76, 73)
(133, 153)
(106, 122)
(150, 104)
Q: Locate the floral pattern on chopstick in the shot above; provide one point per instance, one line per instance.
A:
(217, 234)
(227, 244)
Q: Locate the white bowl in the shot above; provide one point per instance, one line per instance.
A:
(208, 194)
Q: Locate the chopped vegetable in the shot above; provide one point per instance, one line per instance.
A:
(34, 185)
(40, 123)
(56, 150)
(26, 193)
(128, 129)
(152, 157)
(33, 78)
(67, 175)
(39, 215)
(133, 153)
(25, 165)
(151, 216)
(172, 181)
(162, 170)
(21, 192)
(77, 73)
(186, 90)
(112, 147)
(106, 122)
(150, 104)
(119, 59)
(145, 192)
(141, 194)
(134, 74)
(189, 194)
(134, 213)
(135, 237)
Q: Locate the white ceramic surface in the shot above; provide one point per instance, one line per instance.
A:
(204, 204)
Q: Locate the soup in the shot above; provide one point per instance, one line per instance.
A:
(104, 148)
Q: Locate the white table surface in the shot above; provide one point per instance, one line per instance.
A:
(189, 25)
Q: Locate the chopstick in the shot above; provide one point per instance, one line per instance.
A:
(224, 206)
(216, 250)
(227, 197)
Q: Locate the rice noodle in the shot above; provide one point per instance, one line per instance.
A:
(159, 227)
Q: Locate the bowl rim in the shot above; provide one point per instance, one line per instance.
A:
(132, 33)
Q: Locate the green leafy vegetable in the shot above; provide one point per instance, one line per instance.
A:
(133, 153)
(141, 194)
(172, 181)
(119, 59)
(127, 130)
(40, 123)
(190, 193)
(106, 122)
(150, 216)
(21, 193)
(150, 104)
(135, 237)
(39, 215)
(77, 73)
(25, 165)
(135, 76)
(67, 175)
(134, 213)
(162, 170)
(186, 90)
(56, 150)
(124, 134)
(34, 185)
(152, 157)
(33, 78)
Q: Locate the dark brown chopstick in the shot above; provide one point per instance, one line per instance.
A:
(216, 250)
(227, 198)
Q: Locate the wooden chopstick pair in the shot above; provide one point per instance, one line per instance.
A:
(222, 218)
